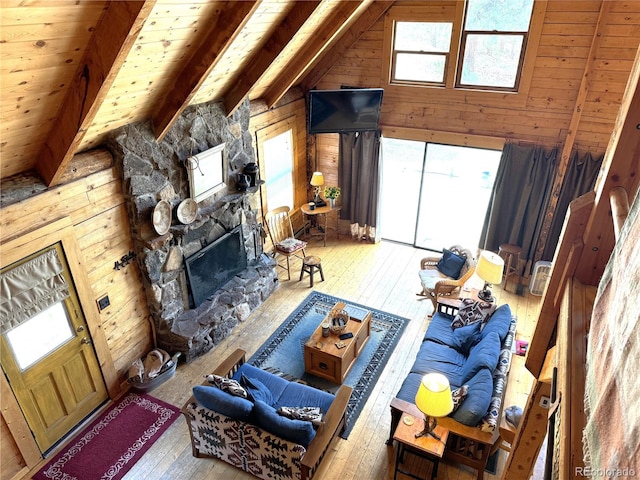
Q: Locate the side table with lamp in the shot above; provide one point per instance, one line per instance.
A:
(318, 206)
(434, 400)
(325, 211)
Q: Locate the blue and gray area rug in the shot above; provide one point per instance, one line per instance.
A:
(284, 350)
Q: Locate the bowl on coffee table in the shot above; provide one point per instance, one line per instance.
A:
(338, 320)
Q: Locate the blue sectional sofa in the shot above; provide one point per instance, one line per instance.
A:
(477, 355)
(248, 433)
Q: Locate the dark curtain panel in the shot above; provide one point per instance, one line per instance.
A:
(359, 177)
(580, 178)
(519, 199)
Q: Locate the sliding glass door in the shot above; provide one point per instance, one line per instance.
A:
(402, 164)
(434, 196)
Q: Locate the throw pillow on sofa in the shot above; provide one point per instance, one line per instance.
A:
(476, 404)
(463, 338)
(472, 311)
(310, 414)
(256, 390)
(482, 356)
(297, 431)
(499, 322)
(227, 385)
(451, 264)
(458, 396)
(222, 402)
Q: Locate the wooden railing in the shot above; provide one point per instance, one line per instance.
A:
(619, 208)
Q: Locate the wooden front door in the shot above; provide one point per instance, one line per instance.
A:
(52, 367)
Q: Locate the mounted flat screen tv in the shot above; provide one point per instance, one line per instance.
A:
(344, 110)
(213, 266)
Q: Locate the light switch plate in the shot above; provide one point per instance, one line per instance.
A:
(545, 402)
(103, 302)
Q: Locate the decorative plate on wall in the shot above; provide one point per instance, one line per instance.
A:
(187, 211)
(162, 217)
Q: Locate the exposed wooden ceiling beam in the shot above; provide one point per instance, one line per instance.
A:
(260, 62)
(368, 18)
(107, 50)
(224, 30)
(341, 19)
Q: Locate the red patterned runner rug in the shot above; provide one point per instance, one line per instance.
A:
(112, 444)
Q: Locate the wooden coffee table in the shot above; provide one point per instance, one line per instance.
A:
(321, 356)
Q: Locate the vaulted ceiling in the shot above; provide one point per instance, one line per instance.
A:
(74, 70)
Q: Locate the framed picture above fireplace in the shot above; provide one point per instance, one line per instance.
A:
(206, 172)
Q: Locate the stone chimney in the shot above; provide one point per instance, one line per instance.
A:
(153, 171)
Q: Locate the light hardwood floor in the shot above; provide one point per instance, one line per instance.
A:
(382, 276)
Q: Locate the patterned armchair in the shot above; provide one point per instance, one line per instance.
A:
(435, 283)
(245, 444)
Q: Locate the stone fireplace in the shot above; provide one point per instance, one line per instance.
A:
(153, 171)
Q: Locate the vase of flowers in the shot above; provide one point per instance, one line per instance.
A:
(331, 193)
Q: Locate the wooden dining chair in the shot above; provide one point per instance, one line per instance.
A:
(281, 234)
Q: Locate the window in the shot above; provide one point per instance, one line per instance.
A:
(428, 176)
(421, 51)
(39, 336)
(281, 155)
(493, 43)
(478, 44)
(278, 167)
(276, 152)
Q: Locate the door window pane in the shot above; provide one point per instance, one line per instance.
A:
(278, 168)
(40, 335)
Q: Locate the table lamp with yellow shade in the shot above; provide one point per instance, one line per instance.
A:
(489, 269)
(317, 180)
(434, 400)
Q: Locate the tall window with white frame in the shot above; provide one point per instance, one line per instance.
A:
(277, 158)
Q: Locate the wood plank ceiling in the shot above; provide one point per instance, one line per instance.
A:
(74, 70)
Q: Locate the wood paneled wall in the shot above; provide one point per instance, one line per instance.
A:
(12, 461)
(95, 209)
(544, 115)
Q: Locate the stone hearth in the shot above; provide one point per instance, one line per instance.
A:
(154, 171)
